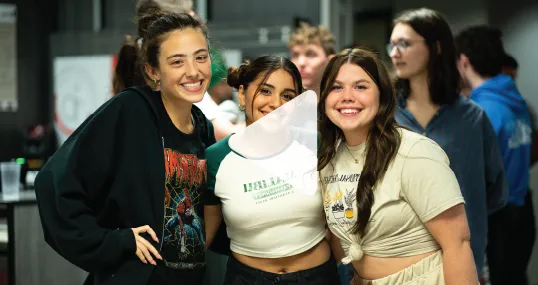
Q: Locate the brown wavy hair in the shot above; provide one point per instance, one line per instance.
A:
(383, 138)
(443, 75)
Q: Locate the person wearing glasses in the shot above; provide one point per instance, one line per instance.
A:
(429, 102)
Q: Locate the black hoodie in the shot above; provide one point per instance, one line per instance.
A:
(109, 177)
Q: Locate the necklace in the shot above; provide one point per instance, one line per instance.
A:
(356, 160)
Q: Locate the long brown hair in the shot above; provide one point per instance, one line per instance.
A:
(383, 136)
(443, 75)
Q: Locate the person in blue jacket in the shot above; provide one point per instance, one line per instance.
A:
(480, 60)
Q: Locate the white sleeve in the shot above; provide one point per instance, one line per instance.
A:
(208, 107)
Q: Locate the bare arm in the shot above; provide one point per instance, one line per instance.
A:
(451, 231)
(213, 219)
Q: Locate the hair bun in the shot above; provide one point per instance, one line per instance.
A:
(147, 16)
(235, 75)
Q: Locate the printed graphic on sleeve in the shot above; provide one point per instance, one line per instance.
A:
(184, 236)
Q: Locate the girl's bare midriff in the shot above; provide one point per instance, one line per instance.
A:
(313, 257)
(371, 268)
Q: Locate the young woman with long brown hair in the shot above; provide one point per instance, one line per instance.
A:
(390, 196)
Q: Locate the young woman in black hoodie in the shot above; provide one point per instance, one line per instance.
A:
(123, 196)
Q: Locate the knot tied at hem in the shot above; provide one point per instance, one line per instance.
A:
(355, 253)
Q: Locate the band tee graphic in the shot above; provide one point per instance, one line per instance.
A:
(183, 244)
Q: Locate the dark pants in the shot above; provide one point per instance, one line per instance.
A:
(163, 275)
(511, 237)
(240, 274)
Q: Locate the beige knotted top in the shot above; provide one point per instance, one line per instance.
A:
(418, 186)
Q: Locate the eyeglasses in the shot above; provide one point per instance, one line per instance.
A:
(401, 45)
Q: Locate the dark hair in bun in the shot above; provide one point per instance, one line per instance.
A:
(152, 23)
(235, 75)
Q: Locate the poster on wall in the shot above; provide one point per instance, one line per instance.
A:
(8, 58)
(81, 85)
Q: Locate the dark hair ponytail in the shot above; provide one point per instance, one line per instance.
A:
(126, 72)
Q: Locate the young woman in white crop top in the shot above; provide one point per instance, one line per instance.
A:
(390, 197)
(276, 226)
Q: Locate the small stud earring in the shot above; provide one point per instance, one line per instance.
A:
(241, 108)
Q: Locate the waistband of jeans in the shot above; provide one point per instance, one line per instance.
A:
(291, 276)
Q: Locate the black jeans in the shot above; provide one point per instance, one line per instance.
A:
(163, 275)
(240, 274)
(511, 236)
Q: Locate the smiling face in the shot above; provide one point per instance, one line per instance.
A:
(352, 102)
(278, 89)
(184, 69)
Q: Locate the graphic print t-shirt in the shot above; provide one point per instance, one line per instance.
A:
(185, 182)
(417, 186)
(271, 206)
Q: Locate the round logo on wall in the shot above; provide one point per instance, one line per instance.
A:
(81, 85)
(72, 99)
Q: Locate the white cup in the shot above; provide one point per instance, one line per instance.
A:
(11, 173)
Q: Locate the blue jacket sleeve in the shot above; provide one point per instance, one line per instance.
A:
(495, 114)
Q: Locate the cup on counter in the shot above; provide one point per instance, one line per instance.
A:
(11, 184)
